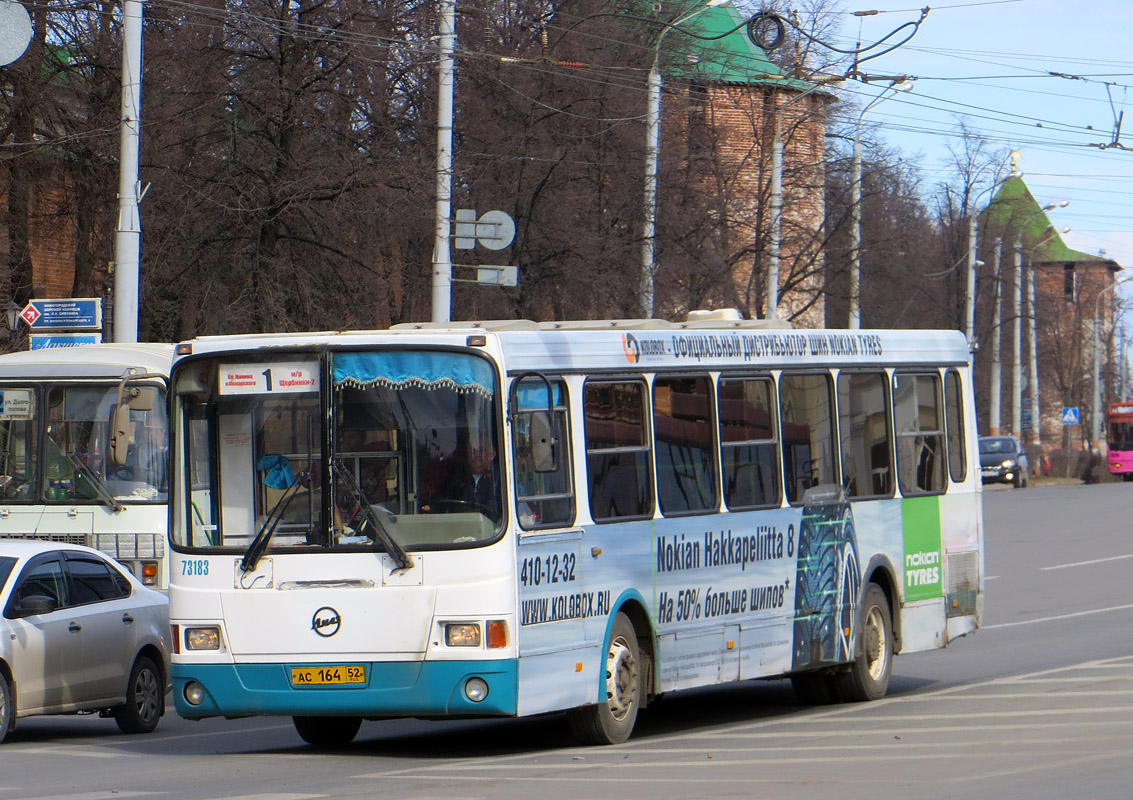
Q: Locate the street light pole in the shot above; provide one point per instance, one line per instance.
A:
(442, 244)
(856, 203)
(128, 233)
(1095, 421)
(996, 374)
(973, 263)
(996, 361)
(1017, 354)
(652, 156)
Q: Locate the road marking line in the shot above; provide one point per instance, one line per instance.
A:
(66, 750)
(110, 795)
(1085, 563)
(1057, 617)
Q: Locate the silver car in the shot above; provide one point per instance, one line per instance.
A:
(79, 633)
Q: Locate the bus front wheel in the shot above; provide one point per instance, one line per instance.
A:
(612, 721)
(327, 732)
(868, 675)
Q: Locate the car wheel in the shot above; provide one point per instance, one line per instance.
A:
(7, 707)
(145, 699)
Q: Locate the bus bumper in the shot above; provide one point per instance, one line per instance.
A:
(399, 689)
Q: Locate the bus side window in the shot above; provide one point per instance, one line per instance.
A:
(617, 450)
(954, 424)
(807, 413)
(542, 499)
(863, 423)
(685, 446)
(920, 434)
(749, 443)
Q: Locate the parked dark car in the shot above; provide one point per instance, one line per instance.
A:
(1003, 460)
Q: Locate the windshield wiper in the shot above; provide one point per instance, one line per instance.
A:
(263, 536)
(96, 483)
(381, 534)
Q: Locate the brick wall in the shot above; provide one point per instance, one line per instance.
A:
(739, 122)
(52, 234)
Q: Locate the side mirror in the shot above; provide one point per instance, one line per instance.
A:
(130, 398)
(33, 606)
(542, 442)
(121, 432)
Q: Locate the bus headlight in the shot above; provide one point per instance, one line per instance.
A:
(202, 639)
(475, 689)
(462, 634)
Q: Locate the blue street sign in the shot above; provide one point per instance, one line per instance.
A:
(50, 341)
(84, 313)
(1070, 415)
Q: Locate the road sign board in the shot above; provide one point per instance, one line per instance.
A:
(84, 313)
(1070, 415)
(494, 230)
(50, 341)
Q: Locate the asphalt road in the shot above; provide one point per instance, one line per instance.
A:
(1038, 704)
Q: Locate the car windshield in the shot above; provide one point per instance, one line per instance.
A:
(996, 445)
(405, 441)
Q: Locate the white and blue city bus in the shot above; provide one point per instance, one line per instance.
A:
(83, 450)
(671, 505)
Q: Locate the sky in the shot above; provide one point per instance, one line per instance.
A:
(989, 65)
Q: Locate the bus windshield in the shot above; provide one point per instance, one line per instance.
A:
(73, 456)
(1121, 435)
(405, 441)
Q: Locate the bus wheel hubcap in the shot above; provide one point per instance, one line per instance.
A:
(874, 644)
(621, 679)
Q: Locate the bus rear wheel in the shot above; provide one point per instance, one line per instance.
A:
(327, 732)
(868, 675)
(612, 721)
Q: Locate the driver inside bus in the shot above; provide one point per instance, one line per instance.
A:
(473, 485)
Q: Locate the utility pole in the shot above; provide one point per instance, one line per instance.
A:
(1017, 352)
(128, 234)
(442, 245)
(994, 410)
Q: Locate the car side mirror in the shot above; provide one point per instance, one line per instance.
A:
(34, 605)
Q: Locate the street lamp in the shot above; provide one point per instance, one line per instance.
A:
(1096, 416)
(652, 149)
(12, 317)
(856, 204)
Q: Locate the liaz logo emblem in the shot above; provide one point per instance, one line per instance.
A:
(326, 622)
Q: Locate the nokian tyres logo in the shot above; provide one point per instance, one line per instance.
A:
(920, 519)
(637, 348)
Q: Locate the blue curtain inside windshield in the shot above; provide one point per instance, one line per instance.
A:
(399, 370)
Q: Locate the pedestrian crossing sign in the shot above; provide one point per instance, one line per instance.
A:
(1070, 415)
